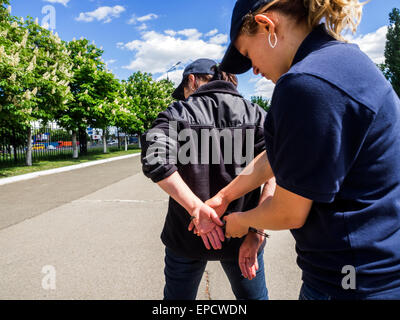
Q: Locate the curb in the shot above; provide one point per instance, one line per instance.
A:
(33, 175)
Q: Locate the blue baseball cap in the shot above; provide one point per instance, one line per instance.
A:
(233, 61)
(200, 66)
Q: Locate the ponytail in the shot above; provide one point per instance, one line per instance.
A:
(221, 75)
(337, 14)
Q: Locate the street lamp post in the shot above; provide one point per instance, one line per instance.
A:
(173, 68)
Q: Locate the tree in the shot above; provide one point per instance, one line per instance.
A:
(34, 74)
(391, 66)
(125, 116)
(104, 101)
(83, 107)
(262, 102)
(149, 98)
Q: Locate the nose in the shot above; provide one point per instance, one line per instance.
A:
(256, 71)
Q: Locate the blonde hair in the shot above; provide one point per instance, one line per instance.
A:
(338, 14)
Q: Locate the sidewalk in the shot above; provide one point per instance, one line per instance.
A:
(100, 229)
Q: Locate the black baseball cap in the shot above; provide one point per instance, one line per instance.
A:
(233, 61)
(200, 66)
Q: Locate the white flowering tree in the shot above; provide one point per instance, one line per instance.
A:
(87, 67)
(148, 97)
(34, 75)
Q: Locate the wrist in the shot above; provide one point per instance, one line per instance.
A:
(194, 206)
(225, 196)
(242, 221)
(255, 239)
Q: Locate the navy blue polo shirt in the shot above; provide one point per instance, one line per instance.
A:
(333, 136)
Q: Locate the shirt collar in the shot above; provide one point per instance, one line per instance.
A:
(317, 39)
(217, 86)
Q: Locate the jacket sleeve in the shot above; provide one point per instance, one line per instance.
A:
(160, 148)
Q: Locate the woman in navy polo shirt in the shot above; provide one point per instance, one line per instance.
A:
(333, 144)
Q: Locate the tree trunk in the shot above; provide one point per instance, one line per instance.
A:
(75, 154)
(82, 141)
(14, 144)
(126, 143)
(119, 141)
(140, 144)
(105, 140)
(28, 161)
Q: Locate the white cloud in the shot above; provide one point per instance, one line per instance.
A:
(142, 27)
(211, 33)
(157, 52)
(63, 2)
(264, 88)
(219, 39)
(105, 14)
(373, 44)
(148, 17)
(171, 33)
(190, 33)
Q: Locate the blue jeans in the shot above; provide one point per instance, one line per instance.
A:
(183, 276)
(309, 293)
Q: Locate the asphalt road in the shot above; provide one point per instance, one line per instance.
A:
(96, 233)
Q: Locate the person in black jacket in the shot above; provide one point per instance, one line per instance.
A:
(194, 149)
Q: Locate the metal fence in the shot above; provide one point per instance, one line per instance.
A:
(50, 143)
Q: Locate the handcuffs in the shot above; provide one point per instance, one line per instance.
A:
(253, 230)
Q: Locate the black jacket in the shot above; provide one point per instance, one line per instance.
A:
(199, 138)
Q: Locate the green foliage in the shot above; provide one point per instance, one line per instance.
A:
(391, 67)
(148, 98)
(262, 102)
(86, 66)
(34, 73)
(45, 79)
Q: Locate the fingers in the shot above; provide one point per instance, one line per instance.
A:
(214, 218)
(205, 241)
(248, 269)
(242, 266)
(251, 269)
(211, 239)
(227, 235)
(217, 241)
(191, 226)
(220, 233)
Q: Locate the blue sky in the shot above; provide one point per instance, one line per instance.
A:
(153, 35)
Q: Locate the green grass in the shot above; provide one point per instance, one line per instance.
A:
(41, 165)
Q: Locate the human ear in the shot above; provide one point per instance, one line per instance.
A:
(192, 82)
(266, 23)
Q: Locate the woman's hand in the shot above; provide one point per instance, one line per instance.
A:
(219, 203)
(235, 227)
(248, 252)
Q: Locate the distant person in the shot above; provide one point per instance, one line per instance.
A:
(209, 105)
